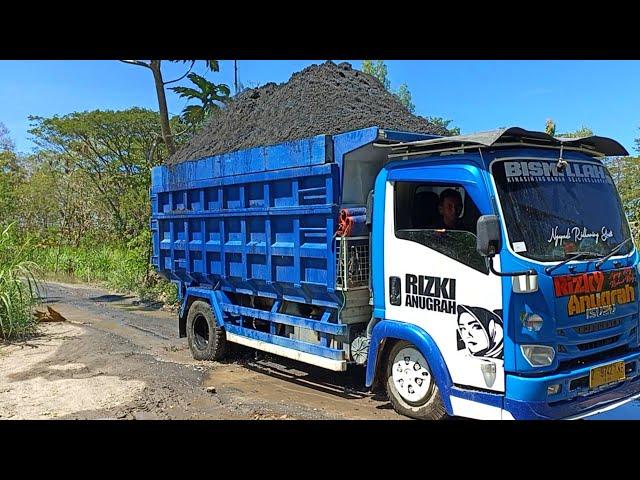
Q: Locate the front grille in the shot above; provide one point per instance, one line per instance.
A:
(593, 358)
(598, 343)
(596, 327)
(582, 382)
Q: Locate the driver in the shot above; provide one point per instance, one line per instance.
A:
(450, 207)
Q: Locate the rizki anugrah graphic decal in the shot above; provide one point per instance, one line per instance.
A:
(480, 332)
(431, 293)
(596, 293)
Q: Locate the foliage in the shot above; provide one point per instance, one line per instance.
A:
(626, 174)
(550, 127)
(97, 165)
(10, 178)
(404, 95)
(583, 131)
(18, 288)
(121, 267)
(81, 201)
(378, 69)
(5, 141)
(210, 96)
(193, 115)
(444, 124)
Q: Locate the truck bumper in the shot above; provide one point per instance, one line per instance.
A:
(528, 397)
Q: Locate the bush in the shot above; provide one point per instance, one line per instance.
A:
(122, 268)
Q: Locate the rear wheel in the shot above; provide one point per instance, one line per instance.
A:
(207, 340)
(410, 385)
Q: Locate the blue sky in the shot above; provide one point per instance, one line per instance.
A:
(477, 95)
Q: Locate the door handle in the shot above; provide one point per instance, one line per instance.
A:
(395, 291)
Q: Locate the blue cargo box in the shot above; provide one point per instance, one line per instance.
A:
(261, 221)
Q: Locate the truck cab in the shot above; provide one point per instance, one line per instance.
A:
(528, 306)
(490, 276)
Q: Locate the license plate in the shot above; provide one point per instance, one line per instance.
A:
(613, 372)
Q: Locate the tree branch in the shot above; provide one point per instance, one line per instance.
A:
(137, 62)
(193, 62)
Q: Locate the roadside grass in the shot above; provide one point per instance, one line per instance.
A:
(114, 266)
(18, 288)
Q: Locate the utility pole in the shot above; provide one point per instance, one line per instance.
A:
(235, 75)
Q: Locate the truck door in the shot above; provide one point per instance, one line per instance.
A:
(435, 279)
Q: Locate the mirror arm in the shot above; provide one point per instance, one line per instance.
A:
(508, 274)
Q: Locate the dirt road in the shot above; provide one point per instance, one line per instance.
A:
(117, 359)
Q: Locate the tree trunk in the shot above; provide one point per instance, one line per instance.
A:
(162, 104)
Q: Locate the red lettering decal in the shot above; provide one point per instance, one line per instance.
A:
(599, 278)
(560, 286)
(614, 279)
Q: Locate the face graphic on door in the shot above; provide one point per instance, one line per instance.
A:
(480, 332)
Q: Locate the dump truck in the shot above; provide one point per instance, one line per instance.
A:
(489, 276)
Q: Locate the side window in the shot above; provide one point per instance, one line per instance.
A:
(441, 217)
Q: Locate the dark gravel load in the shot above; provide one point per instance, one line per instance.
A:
(321, 99)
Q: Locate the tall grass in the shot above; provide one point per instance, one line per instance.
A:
(118, 267)
(18, 288)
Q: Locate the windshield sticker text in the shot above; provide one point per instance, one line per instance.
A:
(596, 293)
(577, 234)
(431, 293)
(546, 171)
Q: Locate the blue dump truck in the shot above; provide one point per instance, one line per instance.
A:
(490, 276)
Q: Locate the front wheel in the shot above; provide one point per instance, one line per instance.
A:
(410, 385)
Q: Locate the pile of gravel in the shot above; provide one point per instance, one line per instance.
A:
(321, 99)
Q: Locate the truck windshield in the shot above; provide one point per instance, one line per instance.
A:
(550, 213)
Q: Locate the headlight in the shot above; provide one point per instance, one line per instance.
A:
(538, 355)
(531, 321)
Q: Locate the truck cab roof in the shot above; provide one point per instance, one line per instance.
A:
(593, 145)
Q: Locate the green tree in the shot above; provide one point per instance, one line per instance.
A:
(210, 96)
(5, 141)
(8, 183)
(156, 69)
(626, 174)
(11, 175)
(550, 127)
(404, 95)
(583, 131)
(441, 122)
(40, 207)
(106, 157)
(378, 69)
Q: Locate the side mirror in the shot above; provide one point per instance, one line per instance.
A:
(488, 235)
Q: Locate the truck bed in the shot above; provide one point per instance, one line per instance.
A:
(262, 221)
